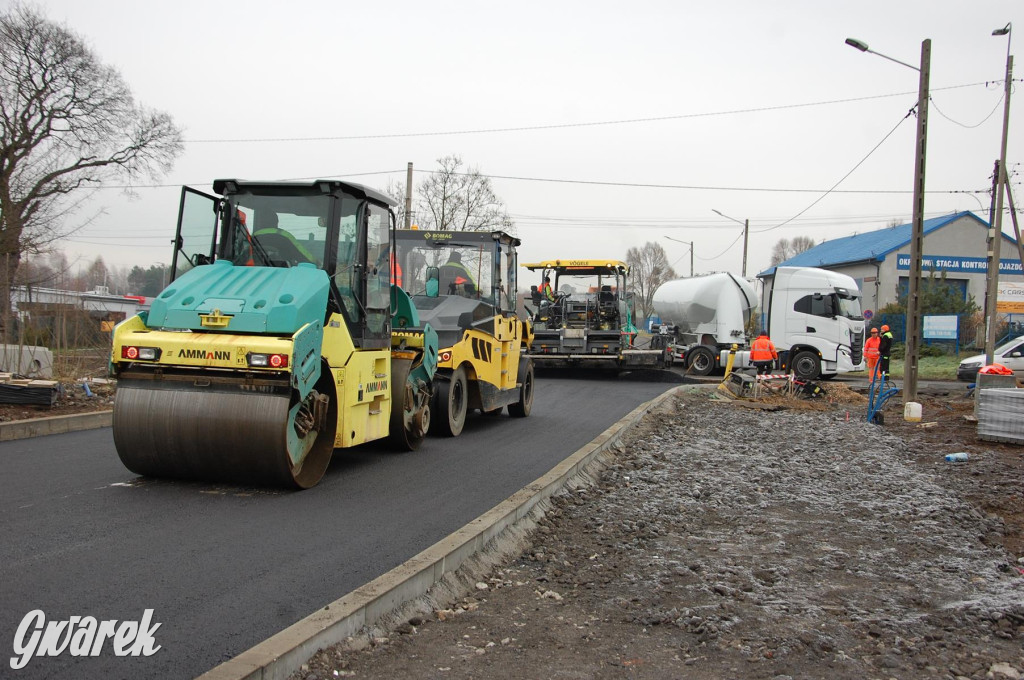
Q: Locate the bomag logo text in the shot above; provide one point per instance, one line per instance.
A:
(219, 355)
(436, 236)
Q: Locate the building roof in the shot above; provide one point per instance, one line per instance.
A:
(869, 246)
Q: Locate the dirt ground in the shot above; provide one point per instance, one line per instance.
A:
(722, 541)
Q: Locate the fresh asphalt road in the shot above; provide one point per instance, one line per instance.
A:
(226, 567)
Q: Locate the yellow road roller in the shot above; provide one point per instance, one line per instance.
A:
(463, 284)
(279, 339)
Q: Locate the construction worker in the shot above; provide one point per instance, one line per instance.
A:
(547, 291)
(280, 243)
(763, 354)
(871, 352)
(884, 349)
(455, 278)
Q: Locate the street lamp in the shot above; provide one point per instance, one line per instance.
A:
(686, 243)
(746, 233)
(995, 232)
(917, 230)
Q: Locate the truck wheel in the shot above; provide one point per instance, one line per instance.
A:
(451, 402)
(806, 366)
(522, 408)
(700, 361)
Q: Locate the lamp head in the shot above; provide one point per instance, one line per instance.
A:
(1005, 30)
(859, 44)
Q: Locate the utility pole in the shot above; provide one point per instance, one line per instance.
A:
(992, 249)
(913, 340)
(996, 230)
(685, 243)
(746, 233)
(408, 197)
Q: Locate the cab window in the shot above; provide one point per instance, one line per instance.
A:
(816, 305)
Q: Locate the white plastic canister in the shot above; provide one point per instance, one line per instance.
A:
(912, 412)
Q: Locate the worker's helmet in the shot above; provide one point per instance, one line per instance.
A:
(874, 330)
(885, 328)
(995, 369)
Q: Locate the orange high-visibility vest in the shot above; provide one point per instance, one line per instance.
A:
(762, 349)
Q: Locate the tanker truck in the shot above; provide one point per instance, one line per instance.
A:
(702, 317)
(812, 315)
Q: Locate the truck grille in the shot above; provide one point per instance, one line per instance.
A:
(857, 347)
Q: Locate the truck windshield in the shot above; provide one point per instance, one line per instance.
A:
(849, 306)
(278, 230)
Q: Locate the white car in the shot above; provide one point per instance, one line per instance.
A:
(1010, 354)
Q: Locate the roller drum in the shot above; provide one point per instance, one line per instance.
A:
(217, 433)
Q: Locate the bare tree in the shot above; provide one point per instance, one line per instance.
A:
(67, 124)
(785, 249)
(454, 199)
(648, 269)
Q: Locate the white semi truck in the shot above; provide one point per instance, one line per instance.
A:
(812, 315)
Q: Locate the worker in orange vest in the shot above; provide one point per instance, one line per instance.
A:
(763, 354)
(871, 352)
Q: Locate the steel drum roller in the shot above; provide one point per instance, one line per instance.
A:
(216, 433)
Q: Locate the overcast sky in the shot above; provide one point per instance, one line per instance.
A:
(752, 108)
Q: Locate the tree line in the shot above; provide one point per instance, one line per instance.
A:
(52, 270)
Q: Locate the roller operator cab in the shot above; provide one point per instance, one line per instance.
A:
(587, 317)
(278, 339)
(463, 284)
(814, 316)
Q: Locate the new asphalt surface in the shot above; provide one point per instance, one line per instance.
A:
(226, 567)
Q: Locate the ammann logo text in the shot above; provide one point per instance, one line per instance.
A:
(219, 355)
(82, 636)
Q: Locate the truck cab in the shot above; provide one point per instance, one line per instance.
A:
(814, 316)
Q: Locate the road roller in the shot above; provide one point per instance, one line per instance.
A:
(278, 339)
(463, 284)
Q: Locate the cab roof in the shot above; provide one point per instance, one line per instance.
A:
(222, 186)
(581, 267)
(442, 236)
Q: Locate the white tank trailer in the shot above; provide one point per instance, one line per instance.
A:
(813, 317)
(705, 315)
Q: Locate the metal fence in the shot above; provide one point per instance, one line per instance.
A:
(970, 331)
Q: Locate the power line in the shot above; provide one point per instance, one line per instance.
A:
(559, 126)
(843, 178)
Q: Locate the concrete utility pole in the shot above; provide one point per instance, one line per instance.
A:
(996, 229)
(992, 249)
(746, 234)
(687, 243)
(913, 341)
(913, 333)
(408, 197)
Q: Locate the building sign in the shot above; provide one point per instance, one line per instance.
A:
(1010, 299)
(939, 327)
(956, 263)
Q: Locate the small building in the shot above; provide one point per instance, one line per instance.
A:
(879, 261)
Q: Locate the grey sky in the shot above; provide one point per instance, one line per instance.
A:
(735, 84)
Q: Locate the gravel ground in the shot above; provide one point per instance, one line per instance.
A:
(728, 542)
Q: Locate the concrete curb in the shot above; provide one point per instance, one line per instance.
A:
(279, 656)
(39, 427)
